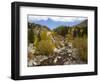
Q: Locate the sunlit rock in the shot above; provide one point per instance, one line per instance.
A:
(31, 49)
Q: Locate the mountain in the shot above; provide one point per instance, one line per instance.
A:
(37, 26)
(83, 24)
(52, 24)
(64, 30)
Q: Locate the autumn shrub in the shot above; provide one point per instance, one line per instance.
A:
(43, 35)
(81, 45)
(69, 37)
(45, 47)
(36, 40)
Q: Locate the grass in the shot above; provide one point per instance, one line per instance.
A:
(81, 45)
(45, 47)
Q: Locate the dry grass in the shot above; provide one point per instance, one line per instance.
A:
(45, 47)
(81, 45)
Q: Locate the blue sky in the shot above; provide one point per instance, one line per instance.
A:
(55, 21)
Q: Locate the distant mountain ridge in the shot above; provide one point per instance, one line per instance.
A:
(83, 24)
(37, 26)
(53, 24)
(43, 27)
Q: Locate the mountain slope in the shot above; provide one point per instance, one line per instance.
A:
(83, 24)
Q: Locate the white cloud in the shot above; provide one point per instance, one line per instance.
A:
(64, 19)
(36, 18)
(67, 19)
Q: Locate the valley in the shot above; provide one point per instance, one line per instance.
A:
(63, 45)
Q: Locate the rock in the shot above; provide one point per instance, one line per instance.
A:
(41, 58)
(66, 55)
(69, 51)
(75, 54)
(69, 54)
(70, 44)
(38, 59)
(48, 61)
(31, 49)
(56, 59)
(66, 63)
(56, 50)
(30, 63)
